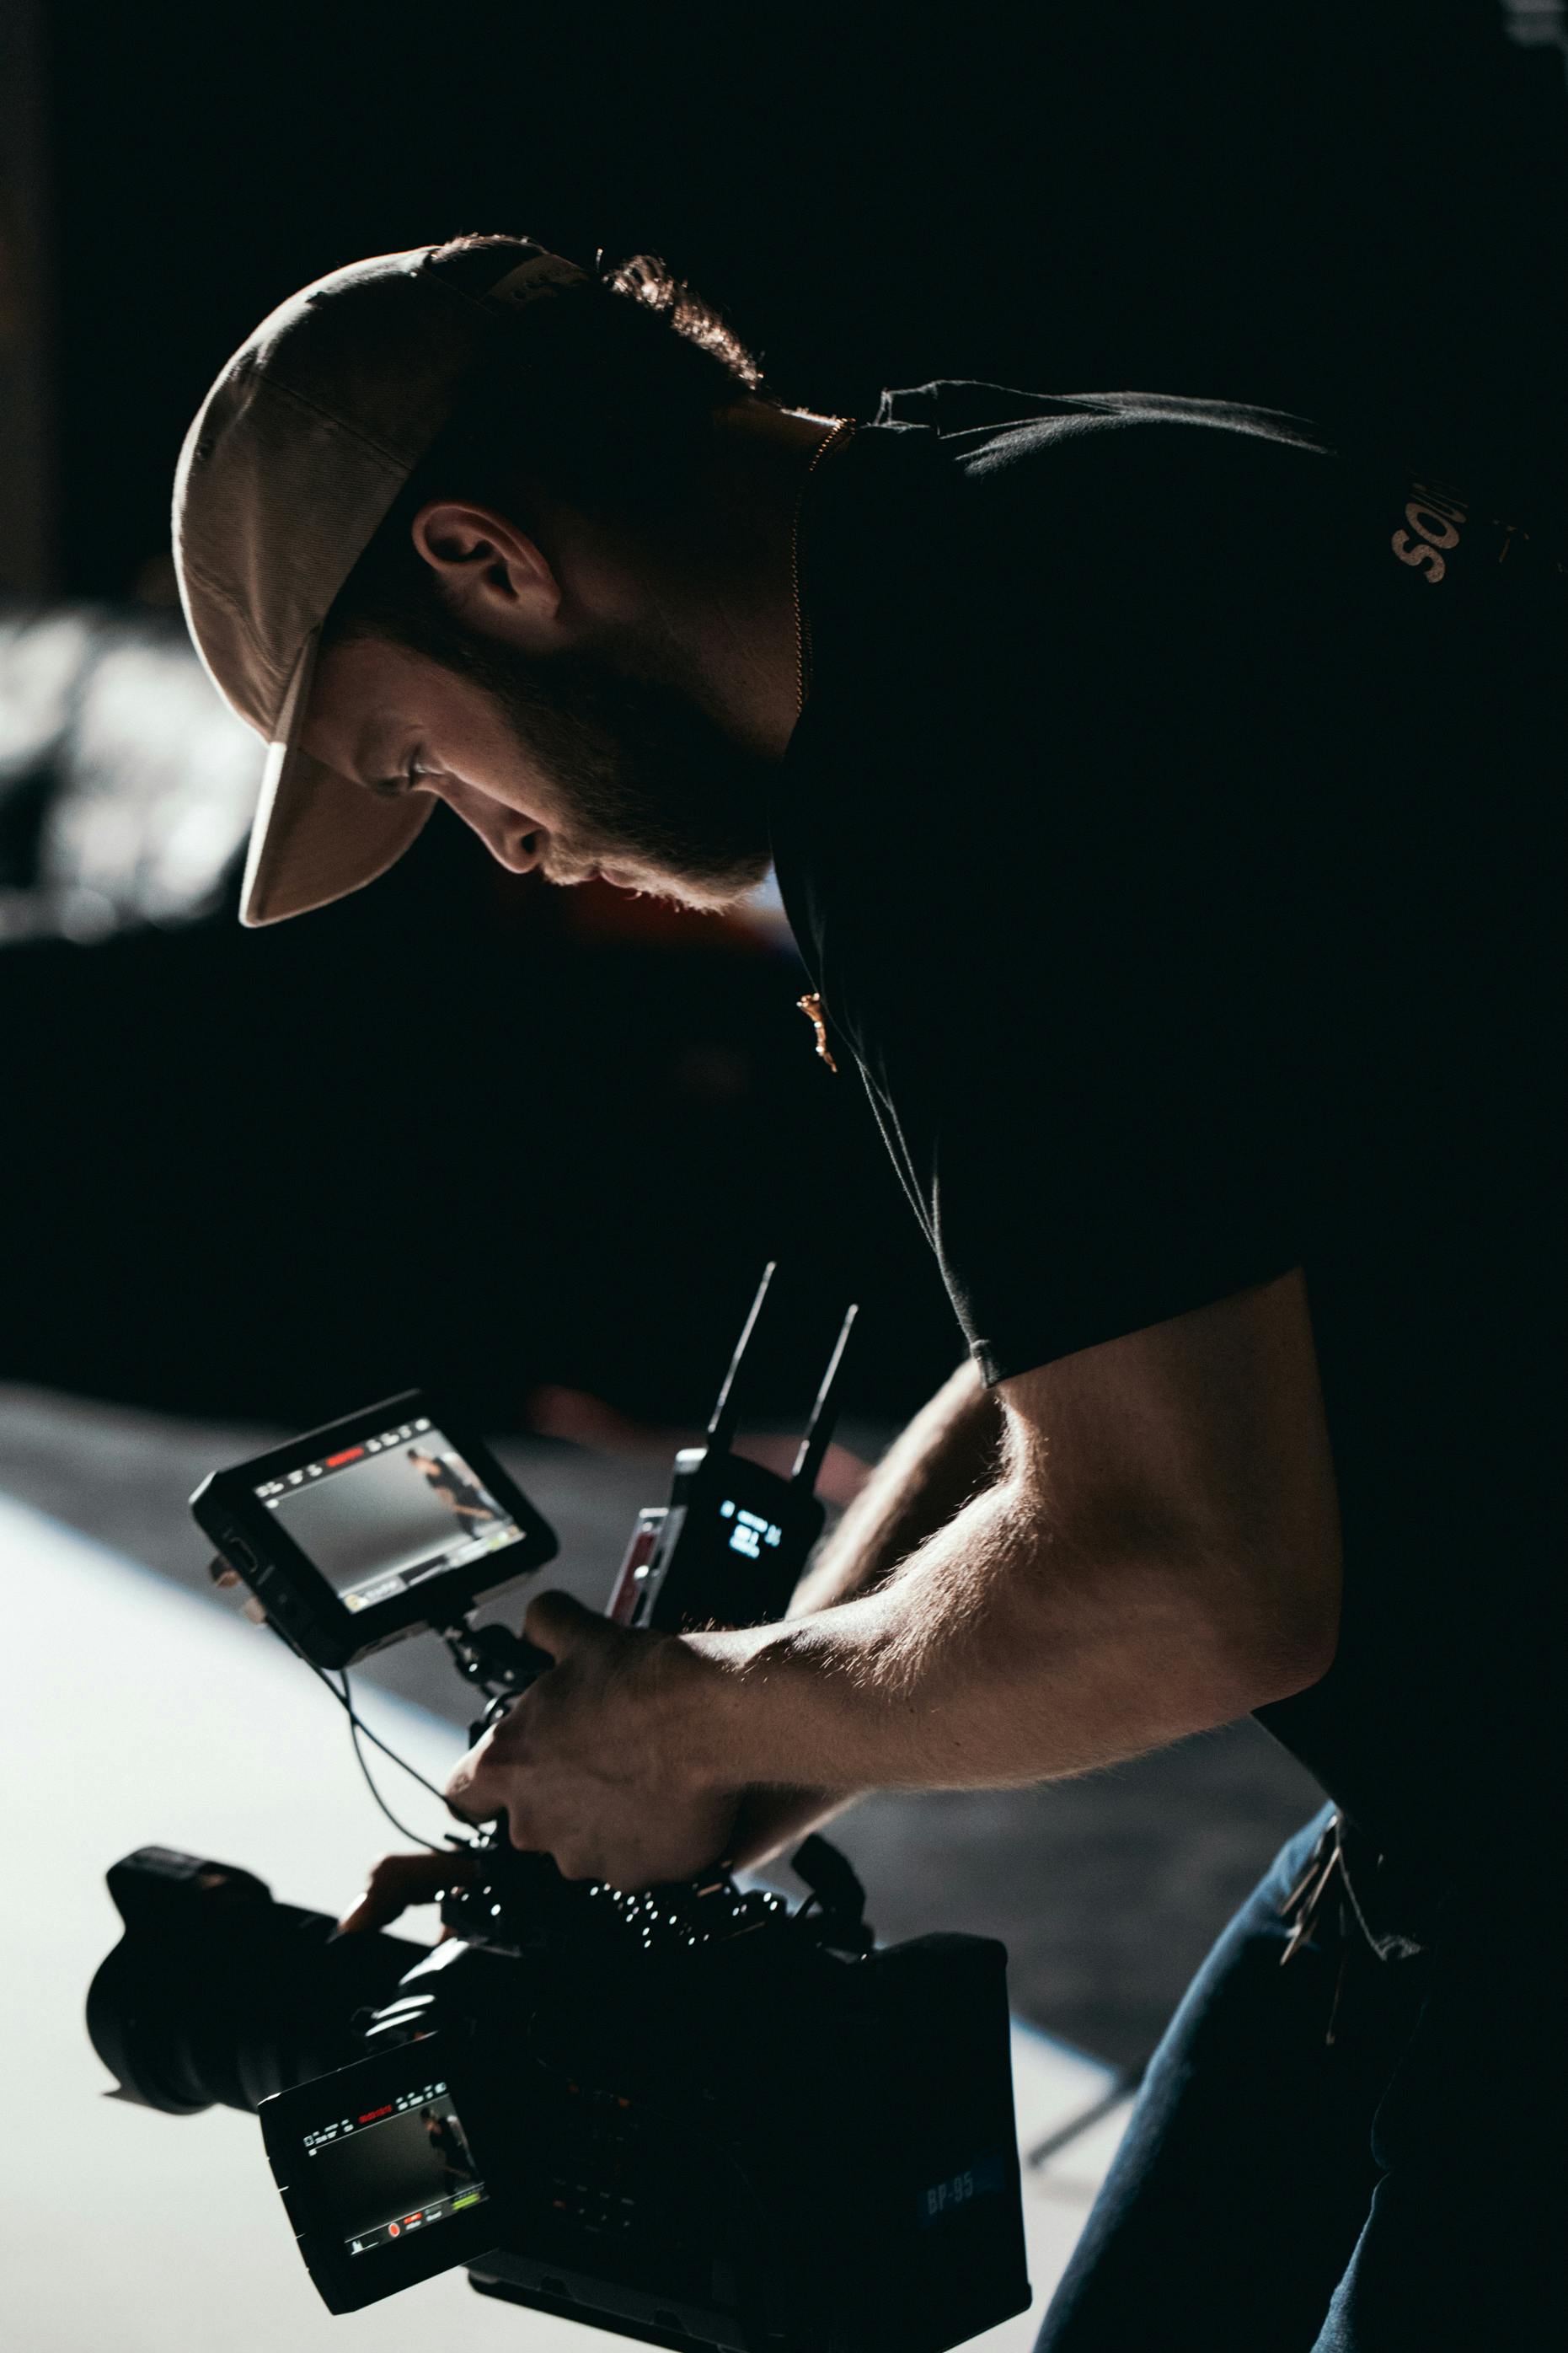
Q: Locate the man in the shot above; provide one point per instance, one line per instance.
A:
(445, 1477)
(1158, 794)
(450, 2149)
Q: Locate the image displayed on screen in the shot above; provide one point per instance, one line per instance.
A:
(379, 1516)
(397, 2170)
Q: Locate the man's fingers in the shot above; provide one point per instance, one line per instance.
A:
(562, 1629)
(400, 1880)
(474, 1791)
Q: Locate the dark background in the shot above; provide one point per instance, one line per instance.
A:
(1346, 210)
(456, 1127)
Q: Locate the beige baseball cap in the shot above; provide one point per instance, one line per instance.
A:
(296, 454)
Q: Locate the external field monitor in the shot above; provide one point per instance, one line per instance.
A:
(376, 1526)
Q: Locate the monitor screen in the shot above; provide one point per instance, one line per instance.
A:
(381, 1515)
(398, 2170)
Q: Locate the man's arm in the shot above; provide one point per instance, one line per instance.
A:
(949, 1451)
(1160, 1554)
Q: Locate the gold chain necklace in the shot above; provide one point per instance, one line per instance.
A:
(842, 428)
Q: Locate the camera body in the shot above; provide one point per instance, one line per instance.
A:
(694, 2115)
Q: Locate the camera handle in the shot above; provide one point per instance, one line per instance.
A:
(499, 1663)
(835, 1887)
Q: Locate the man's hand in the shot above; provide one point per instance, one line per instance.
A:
(593, 1765)
(400, 1880)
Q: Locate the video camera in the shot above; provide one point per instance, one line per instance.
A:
(694, 2115)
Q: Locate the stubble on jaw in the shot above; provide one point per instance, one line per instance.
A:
(655, 795)
(567, 870)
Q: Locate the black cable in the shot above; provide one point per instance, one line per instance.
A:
(345, 1702)
(358, 1726)
(355, 1728)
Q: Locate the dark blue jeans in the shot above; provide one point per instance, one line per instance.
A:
(1280, 2192)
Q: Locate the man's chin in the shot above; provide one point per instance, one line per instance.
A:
(700, 894)
(707, 897)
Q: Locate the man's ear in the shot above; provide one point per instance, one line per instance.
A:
(491, 571)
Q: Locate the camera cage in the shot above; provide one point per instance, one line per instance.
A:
(920, 2247)
(292, 1591)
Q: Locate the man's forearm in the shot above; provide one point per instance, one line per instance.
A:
(948, 1453)
(1158, 1552)
(1000, 1654)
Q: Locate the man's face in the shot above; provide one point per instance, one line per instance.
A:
(566, 764)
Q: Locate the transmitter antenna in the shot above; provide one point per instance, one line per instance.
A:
(824, 1413)
(721, 1429)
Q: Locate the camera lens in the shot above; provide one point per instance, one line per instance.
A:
(215, 1993)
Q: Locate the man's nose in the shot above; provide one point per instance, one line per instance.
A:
(518, 845)
(512, 840)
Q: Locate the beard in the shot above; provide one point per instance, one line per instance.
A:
(654, 795)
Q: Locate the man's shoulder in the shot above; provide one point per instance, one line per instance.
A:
(1031, 625)
(953, 408)
(993, 441)
(989, 519)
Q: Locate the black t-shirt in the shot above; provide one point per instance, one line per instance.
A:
(1171, 833)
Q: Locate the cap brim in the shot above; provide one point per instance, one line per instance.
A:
(317, 835)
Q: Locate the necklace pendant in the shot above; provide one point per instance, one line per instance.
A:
(811, 1005)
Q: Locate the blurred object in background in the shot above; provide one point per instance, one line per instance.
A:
(588, 1421)
(1537, 25)
(126, 783)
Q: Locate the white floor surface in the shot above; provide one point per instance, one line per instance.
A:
(135, 1715)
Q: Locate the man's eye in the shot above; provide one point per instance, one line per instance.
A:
(397, 788)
